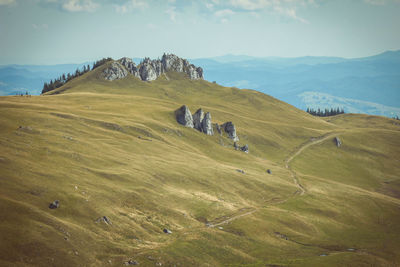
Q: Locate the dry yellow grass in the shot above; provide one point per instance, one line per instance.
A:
(81, 146)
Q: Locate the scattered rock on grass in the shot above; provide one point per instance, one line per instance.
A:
(55, 204)
(131, 262)
(269, 171)
(245, 148)
(167, 231)
(230, 129)
(241, 171)
(338, 142)
(104, 219)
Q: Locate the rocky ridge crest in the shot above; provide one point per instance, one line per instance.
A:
(150, 70)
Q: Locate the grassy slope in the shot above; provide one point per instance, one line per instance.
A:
(82, 147)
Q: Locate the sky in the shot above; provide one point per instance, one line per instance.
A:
(73, 31)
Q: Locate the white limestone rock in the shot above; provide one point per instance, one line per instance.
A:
(115, 71)
(198, 119)
(206, 124)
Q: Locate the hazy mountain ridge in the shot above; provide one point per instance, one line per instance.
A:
(374, 79)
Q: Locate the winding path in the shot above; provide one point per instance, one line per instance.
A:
(302, 189)
(297, 152)
(211, 225)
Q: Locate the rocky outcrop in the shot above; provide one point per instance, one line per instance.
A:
(172, 62)
(150, 70)
(198, 119)
(194, 73)
(338, 142)
(245, 148)
(130, 66)
(202, 122)
(184, 117)
(230, 129)
(115, 71)
(54, 205)
(206, 124)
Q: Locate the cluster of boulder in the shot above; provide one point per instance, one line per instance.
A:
(150, 70)
(202, 122)
(198, 121)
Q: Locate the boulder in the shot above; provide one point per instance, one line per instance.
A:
(269, 171)
(245, 148)
(54, 205)
(167, 231)
(115, 71)
(197, 119)
(241, 171)
(230, 129)
(206, 124)
(338, 142)
(184, 117)
(104, 219)
(130, 66)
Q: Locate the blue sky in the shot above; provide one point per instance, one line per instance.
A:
(72, 31)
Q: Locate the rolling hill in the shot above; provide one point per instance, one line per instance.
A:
(115, 149)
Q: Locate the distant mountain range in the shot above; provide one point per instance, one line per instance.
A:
(362, 85)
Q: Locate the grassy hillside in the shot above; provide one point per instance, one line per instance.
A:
(115, 149)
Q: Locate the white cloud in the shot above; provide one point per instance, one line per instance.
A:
(289, 12)
(80, 5)
(7, 2)
(250, 4)
(224, 12)
(285, 8)
(171, 11)
(131, 5)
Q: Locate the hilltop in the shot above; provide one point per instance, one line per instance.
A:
(134, 185)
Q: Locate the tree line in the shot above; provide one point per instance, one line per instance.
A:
(64, 78)
(325, 112)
